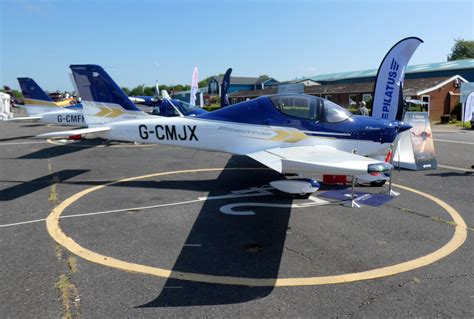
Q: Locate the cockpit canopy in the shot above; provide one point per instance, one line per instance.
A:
(165, 108)
(310, 108)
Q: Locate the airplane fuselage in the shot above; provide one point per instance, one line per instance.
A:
(237, 138)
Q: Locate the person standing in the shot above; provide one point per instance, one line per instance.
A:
(362, 109)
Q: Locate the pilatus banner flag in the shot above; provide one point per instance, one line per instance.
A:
(469, 107)
(225, 87)
(194, 86)
(388, 91)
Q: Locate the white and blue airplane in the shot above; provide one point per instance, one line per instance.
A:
(289, 133)
(40, 107)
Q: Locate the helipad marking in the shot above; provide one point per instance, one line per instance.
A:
(55, 231)
(229, 208)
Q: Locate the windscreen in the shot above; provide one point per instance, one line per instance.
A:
(298, 105)
(310, 107)
(184, 108)
(334, 113)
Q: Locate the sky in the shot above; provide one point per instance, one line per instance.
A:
(140, 42)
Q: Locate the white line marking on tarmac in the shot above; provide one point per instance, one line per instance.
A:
(457, 168)
(451, 141)
(251, 192)
(22, 143)
(192, 245)
(105, 212)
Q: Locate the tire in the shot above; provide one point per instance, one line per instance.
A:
(302, 196)
(378, 183)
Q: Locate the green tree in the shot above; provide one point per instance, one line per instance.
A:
(126, 90)
(263, 76)
(203, 83)
(138, 90)
(462, 49)
(149, 90)
(15, 93)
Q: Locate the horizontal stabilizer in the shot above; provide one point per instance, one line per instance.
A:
(82, 131)
(26, 118)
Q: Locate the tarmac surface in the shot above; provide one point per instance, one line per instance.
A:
(123, 256)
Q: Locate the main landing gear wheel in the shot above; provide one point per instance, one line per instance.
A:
(300, 188)
(302, 196)
(378, 183)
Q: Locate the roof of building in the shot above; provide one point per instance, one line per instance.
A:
(243, 80)
(180, 93)
(429, 67)
(411, 87)
(296, 81)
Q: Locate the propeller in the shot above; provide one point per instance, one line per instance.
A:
(167, 97)
(156, 98)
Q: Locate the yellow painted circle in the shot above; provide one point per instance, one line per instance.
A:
(52, 224)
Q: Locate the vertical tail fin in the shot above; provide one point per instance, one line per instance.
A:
(31, 90)
(36, 100)
(103, 100)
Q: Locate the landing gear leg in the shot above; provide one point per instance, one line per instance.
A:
(391, 192)
(353, 201)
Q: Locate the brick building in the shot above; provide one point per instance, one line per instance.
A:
(440, 93)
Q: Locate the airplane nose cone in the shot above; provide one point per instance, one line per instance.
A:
(402, 127)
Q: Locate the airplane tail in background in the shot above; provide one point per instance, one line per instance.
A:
(36, 100)
(102, 99)
(32, 91)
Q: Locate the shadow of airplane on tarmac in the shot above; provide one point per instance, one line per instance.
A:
(28, 187)
(60, 150)
(452, 174)
(15, 138)
(248, 246)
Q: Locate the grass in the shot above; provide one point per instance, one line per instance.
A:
(460, 124)
(212, 107)
(68, 294)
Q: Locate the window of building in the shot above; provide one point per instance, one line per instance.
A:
(213, 87)
(352, 99)
(366, 97)
(425, 107)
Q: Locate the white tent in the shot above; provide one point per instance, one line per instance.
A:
(5, 106)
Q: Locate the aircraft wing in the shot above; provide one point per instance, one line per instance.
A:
(318, 159)
(26, 118)
(81, 131)
(136, 99)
